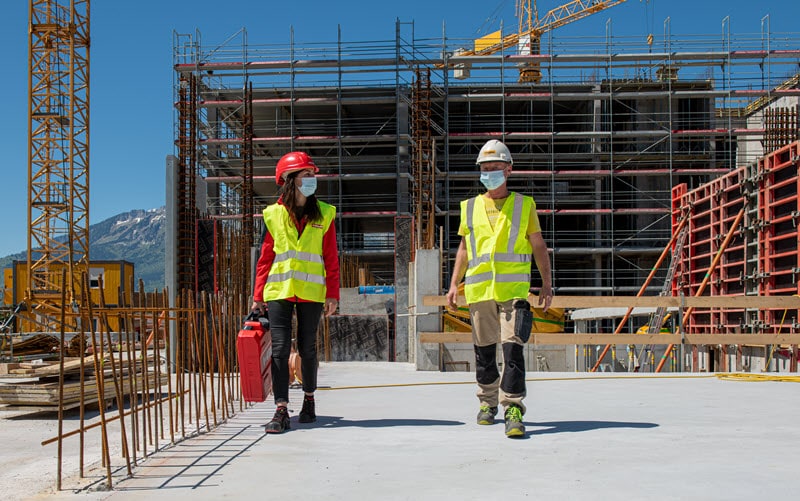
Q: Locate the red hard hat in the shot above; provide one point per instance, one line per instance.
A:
(293, 162)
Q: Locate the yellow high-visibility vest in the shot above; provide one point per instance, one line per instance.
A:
(499, 258)
(298, 268)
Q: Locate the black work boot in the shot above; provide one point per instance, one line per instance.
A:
(280, 421)
(307, 414)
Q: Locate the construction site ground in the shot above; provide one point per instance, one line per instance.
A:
(387, 431)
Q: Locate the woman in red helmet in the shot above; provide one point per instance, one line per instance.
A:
(297, 273)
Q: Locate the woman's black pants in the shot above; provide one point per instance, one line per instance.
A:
(280, 324)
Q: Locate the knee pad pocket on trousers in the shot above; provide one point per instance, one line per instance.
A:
(486, 364)
(523, 320)
(514, 369)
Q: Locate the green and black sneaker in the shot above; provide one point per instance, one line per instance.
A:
(486, 414)
(514, 426)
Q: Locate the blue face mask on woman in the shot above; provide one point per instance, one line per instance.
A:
(493, 179)
(308, 186)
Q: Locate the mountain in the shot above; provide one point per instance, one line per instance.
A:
(137, 236)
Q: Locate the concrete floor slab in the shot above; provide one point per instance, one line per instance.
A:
(386, 431)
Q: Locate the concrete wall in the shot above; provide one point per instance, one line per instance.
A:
(353, 303)
(358, 338)
(749, 151)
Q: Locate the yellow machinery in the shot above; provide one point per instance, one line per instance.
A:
(645, 329)
(531, 29)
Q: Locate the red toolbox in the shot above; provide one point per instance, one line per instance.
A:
(254, 349)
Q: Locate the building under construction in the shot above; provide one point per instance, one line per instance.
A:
(666, 175)
(600, 138)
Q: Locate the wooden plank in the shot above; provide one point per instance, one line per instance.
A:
(6, 368)
(572, 302)
(69, 364)
(35, 393)
(549, 338)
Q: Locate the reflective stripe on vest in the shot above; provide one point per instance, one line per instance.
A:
(499, 259)
(298, 268)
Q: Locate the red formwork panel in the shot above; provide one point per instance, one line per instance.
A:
(712, 209)
(779, 215)
(678, 212)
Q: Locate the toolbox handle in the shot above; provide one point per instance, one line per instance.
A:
(263, 319)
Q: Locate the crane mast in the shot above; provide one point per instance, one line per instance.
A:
(58, 156)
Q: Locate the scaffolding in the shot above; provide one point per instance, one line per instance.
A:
(395, 126)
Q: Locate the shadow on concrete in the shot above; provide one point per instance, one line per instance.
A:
(190, 465)
(339, 422)
(578, 426)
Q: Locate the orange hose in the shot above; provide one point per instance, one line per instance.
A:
(643, 288)
(706, 279)
(156, 328)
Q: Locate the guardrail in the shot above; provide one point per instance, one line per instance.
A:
(680, 302)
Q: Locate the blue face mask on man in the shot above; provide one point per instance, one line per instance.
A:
(493, 179)
(308, 186)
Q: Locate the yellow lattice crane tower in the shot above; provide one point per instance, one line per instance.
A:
(58, 158)
(531, 29)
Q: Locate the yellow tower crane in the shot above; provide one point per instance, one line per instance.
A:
(531, 29)
(58, 158)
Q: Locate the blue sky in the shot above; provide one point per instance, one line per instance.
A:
(131, 77)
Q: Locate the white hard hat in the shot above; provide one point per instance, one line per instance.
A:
(494, 151)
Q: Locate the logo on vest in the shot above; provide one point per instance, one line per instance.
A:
(317, 226)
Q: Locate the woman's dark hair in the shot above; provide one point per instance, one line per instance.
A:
(289, 195)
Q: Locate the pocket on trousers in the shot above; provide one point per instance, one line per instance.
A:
(523, 319)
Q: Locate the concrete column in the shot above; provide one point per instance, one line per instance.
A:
(403, 229)
(427, 282)
(171, 241)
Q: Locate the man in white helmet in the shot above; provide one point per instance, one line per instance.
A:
(499, 233)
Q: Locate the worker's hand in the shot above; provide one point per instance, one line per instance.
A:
(452, 298)
(545, 297)
(330, 306)
(259, 307)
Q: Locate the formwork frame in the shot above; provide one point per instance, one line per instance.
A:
(762, 258)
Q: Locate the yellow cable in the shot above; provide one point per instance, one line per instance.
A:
(748, 376)
(725, 376)
(442, 383)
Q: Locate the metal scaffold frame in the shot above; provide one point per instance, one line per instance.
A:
(613, 125)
